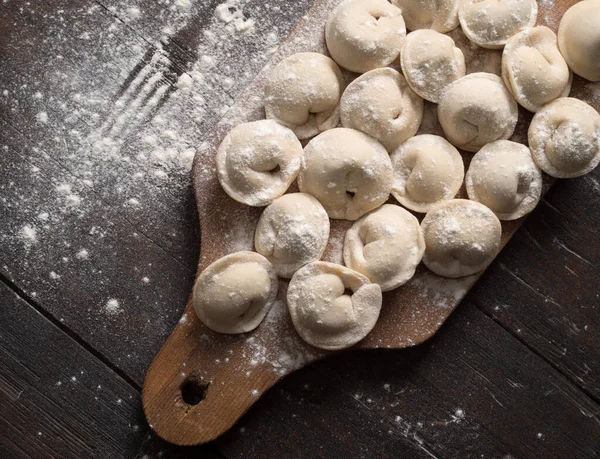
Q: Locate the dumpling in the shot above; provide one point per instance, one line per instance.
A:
(258, 161)
(490, 23)
(430, 62)
(427, 170)
(363, 35)
(291, 232)
(439, 15)
(477, 109)
(564, 138)
(303, 93)
(380, 103)
(349, 173)
(235, 293)
(332, 307)
(579, 38)
(386, 246)
(533, 69)
(462, 237)
(503, 177)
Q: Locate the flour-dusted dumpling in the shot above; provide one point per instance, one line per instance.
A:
(533, 69)
(291, 232)
(439, 15)
(349, 173)
(235, 293)
(303, 92)
(564, 138)
(258, 161)
(386, 246)
(503, 177)
(579, 38)
(430, 62)
(477, 109)
(462, 237)
(427, 170)
(380, 103)
(363, 35)
(490, 23)
(332, 307)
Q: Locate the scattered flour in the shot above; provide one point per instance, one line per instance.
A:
(42, 117)
(113, 307)
(28, 234)
(83, 254)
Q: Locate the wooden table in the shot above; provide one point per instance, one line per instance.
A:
(102, 105)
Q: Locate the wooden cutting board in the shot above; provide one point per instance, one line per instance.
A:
(202, 382)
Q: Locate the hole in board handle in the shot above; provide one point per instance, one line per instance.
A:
(193, 392)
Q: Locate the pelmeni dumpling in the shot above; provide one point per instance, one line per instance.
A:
(380, 103)
(258, 161)
(462, 237)
(477, 109)
(332, 307)
(533, 69)
(579, 38)
(291, 232)
(503, 177)
(235, 293)
(439, 15)
(349, 173)
(386, 246)
(490, 23)
(363, 35)
(564, 138)
(430, 62)
(303, 93)
(427, 170)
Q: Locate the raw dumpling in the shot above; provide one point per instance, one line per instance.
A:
(427, 170)
(363, 35)
(291, 232)
(380, 103)
(303, 93)
(386, 246)
(477, 109)
(349, 173)
(462, 237)
(235, 293)
(430, 62)
(258, 161)
(579, 38)
(533, 69)
(332, 307)
(503, 177)
(490, 23)
(564, 138)
(439, 15)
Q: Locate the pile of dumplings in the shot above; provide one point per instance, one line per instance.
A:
(349, 172)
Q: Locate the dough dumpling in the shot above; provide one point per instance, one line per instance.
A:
(503, 177)
(258, 161)
(363, 35)
(332, 307)
(430, 62)
(386, 246)
(477, 109)
(235, 293)
(291, 232)
(380, 103)
(427, 170)
(462, 237)
(349, 173)
(439, 15)
(533, 69)
(564, 138)
(490, 23)
(579, 38)
(303, 93)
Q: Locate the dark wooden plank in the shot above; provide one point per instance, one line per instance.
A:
(472, 391)
(58, 400)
